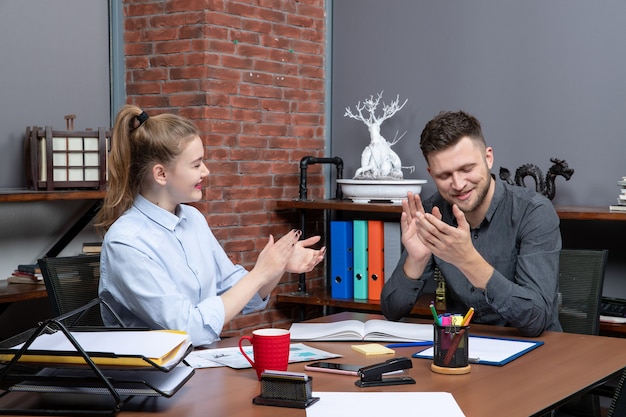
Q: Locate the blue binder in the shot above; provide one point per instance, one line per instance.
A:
(341, 259)
(360, 259)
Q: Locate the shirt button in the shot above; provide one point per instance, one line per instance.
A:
(475, 236)
(472, 289)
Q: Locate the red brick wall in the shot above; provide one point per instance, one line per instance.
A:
(250, 73)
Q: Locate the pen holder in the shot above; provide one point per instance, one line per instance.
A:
(451, 350)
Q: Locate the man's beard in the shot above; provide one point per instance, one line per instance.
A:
(481, 193)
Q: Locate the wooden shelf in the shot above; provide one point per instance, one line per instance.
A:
(589, 213)
(340, 205)
(564, 212)
(10, 293)
(25, 196)
(612, 329)
(320, 298)
(21, 195)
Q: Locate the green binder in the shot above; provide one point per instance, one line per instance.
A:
(360, 259)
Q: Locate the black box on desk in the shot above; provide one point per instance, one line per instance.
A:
(285, 389)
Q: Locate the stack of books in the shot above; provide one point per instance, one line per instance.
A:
(26, 274)
(621, 198)
(92, 247)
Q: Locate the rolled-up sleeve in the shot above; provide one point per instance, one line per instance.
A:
(400, 293)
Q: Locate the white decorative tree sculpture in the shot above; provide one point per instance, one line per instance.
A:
(378, 160)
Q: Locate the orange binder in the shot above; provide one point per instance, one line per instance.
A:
(375, 258)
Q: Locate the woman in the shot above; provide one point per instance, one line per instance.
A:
(161, 266)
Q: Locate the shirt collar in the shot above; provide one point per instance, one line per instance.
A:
(498, 195)
(158, 214)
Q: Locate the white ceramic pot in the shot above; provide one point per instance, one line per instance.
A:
(364, 191)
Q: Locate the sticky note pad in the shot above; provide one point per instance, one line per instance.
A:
(372, 349)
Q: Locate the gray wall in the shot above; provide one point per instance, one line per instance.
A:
(545, 78)
(55, 61)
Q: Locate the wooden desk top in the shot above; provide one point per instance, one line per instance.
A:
(421, 308)
(10, 293)
(539, 380)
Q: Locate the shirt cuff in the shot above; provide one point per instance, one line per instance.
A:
(498, 290)
(213, 314)
(256, 303)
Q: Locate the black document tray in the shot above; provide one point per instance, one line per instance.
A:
(119, 384)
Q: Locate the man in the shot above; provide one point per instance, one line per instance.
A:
(497, 245)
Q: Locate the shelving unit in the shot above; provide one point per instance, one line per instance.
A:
(564, 212)
(323, 298)
(589, 213)
(339, 205)
(22, 195)
(25, 196)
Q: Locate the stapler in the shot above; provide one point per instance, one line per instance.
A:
(372, 375)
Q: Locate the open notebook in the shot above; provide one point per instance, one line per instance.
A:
(355, 330)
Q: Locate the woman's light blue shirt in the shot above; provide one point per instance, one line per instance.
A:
(166, 271)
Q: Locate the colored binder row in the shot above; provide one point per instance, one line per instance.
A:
(359, 252)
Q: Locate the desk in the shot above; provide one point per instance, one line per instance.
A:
(421, 308)
(565, 365)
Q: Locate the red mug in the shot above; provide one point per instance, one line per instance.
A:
(270, 348)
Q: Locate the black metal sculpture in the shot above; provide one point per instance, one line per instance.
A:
(543, 186)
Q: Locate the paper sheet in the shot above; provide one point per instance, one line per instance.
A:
(151, 344)
(376, 404)
(232, 357)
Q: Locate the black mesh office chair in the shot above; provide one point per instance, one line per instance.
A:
(618, 404)
(71, 283)
(581, 277)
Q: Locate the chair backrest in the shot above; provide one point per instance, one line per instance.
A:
(71, 283)
(581, 276)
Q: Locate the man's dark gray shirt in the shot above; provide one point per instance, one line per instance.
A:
(521, 239)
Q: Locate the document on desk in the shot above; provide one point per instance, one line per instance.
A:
(376, 404)
(611, 319)
(491, 350)
(163, 348)
(232, 357)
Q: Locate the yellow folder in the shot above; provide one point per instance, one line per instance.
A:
(115, 348)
